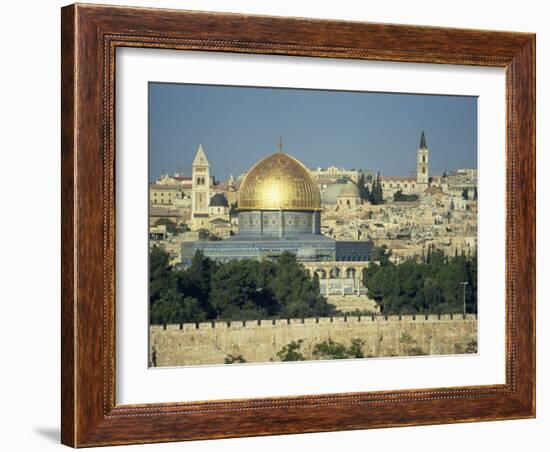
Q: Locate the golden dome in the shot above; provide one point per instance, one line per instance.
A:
(279, 182)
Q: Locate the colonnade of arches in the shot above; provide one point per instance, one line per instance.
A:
(337, 279)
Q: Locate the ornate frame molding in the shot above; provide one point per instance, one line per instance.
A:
(90, 37)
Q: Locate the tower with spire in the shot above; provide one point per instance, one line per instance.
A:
(231, 183)
(422, 173)
(200, 192)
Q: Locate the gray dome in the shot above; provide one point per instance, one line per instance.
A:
(218, 200)
(350, 190)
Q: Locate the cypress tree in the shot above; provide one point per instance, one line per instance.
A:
(364, 192)
(376, 193)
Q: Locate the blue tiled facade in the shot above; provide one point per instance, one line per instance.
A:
(279, 223)
(267, 234)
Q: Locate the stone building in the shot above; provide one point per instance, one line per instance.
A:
(333, 173)
(349, 196)
(164, 195)
(183, 182)
(157, 213)
(405, 184)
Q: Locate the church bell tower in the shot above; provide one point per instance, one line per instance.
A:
(200, 192)
(422, 174)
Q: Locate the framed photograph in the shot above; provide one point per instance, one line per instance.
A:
(281, 225)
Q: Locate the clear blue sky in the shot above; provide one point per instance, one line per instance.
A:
(240, 125)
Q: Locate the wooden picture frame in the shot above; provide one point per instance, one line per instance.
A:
(90, 36)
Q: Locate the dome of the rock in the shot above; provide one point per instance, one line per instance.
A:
(279, 182)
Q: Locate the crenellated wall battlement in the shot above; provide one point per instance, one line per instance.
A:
(260, 340)
(253, 324)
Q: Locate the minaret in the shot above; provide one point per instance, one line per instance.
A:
(200, 193)
(422, 174)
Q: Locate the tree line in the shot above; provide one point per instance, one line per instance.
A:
(433, 284)
(236, 290)
(249, 289)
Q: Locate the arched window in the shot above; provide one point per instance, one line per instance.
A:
(350, 273)
(320, 273)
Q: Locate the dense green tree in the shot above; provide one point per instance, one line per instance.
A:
(236, 290)
(296, 292)
(192, 311)
(431, 285)
(196, 281)
(331, 349)
(291, 351)
(168, 308)
(173, 308)
(160, 273)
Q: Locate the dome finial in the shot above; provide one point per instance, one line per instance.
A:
(280, 143)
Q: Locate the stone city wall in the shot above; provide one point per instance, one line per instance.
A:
(259, 341)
